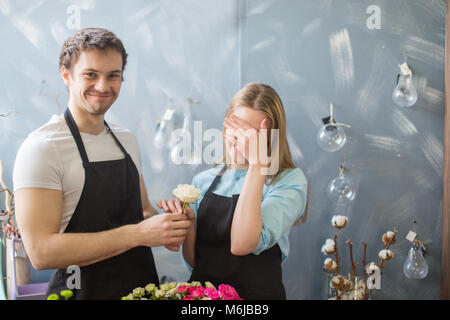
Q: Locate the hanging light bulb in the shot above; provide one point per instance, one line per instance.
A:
(415, 267)
(341, 188)
(331, 137)
(405, 94)
(161, 136)
(182, 152)
(164, 130)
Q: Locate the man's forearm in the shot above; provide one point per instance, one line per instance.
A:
(60, 250)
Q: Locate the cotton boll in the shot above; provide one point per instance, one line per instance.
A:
(371, 268)
(389, 238)
(385, 254)
(330, 265)
(339, 221)
(329, 247)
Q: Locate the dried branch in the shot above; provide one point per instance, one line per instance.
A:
(350, 245)
(364, 262)
(336, 235)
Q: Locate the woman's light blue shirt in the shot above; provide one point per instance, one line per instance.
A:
(283, 202)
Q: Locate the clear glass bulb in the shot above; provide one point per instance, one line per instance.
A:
(405, 94)
(415, 267)
(162, 135)
(341, 188)
(331, 137)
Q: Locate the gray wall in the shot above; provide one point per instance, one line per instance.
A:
(313, 53)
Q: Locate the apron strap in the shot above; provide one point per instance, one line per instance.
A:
(76, 135)
(116, 139)
(216, 179)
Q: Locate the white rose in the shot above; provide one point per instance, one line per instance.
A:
(385, 254)
(328, 247)
(187, 193)
(339, 221)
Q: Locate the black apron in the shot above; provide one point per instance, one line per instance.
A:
(253, 276)
(110, 199)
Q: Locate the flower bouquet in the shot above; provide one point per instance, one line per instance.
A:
(353, 287)
(183, 291)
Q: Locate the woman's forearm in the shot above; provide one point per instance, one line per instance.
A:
(247, 223)
(189, 247)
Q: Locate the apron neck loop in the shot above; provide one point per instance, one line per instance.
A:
(116, 140)
(217, 179)
(76, 135)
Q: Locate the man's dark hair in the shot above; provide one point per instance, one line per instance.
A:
(90, 39)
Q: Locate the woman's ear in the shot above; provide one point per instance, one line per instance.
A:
(268, 123)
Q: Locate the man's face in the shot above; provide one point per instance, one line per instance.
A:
(94, 81)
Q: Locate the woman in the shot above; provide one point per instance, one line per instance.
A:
(244, 216)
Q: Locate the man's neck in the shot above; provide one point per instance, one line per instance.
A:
(86, 122)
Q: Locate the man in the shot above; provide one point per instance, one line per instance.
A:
(80, 198)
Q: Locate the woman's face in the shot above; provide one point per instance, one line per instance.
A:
(253, 118)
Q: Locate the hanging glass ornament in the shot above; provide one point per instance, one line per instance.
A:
(182, 152)
(331, 137)
(341, 188)
(415, 266)
(405, 94)
(164, 130)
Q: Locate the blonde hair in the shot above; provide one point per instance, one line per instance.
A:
(264, 98)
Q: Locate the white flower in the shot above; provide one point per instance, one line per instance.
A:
(187, 193)
(164, 287)
(329, 264)
(339, 221)
(385, 254)
(372, 268)
(329, 247)
(160, 293)
(171, 292)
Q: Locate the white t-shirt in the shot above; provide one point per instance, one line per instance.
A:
(49, 158)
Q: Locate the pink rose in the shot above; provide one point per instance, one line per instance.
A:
(212, 293)
(196, 292)
(187, 298)
(228, 293)
(182, 289)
